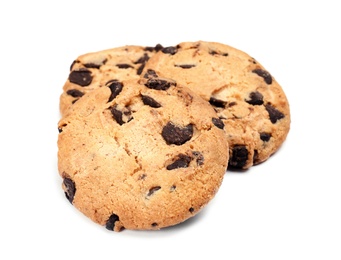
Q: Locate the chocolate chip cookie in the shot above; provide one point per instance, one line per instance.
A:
(247, 98)
(97, 69)
(141, 153)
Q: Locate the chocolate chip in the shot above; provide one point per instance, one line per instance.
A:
(231, 104)
(121, 117)
(157, 48)
(173, 188)
(264, 74)
(92, 66)
(199, 157)
(124, 66)
(212, 52)
(74, 93)
(274, 113)
(150, 74)
(140, 69)
(239, 156)
(217, 102)
(81, 77)
(218, 122)
(95, 65)
(154, 224)
(110, 225)
(153, 190)
(74, 101)
(115, 88)
(70, 187)
(170, 50)
(182, 161)
(177, 135)
(256, 98)
(265, 136)
(150, 101)
(185, 66)
(73, 63)
(191, 209)
(143, 59)
(159, 84)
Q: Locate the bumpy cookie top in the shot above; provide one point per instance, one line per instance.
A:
(247, 98)
(141, 154)
(96, 69)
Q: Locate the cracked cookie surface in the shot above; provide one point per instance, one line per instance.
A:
(247, 98)
(142, 154)
(98, 69)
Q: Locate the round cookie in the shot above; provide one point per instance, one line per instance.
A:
(247, 98)
(97, 69)
(145, 154)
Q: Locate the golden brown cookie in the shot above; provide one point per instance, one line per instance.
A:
(97, 69)
(141, 154)
(247, 98)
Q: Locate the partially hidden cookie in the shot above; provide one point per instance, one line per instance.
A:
(144, 154)
(247, 98)
(96, 69)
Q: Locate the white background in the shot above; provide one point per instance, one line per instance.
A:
(286, 208)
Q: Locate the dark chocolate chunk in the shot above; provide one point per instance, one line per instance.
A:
(218, 122)
(150, 101)
(159, 84)
(115, 87)
(70, 187)
(265, 136)
(173, 134)
(74, 93)
(231, 104)
(264, 74)
(182, 161)
(191, 209)
(256, 98)
(74, 101)
(124, 66)
(110, 225)
(157, 48)
(185, 66)
(239, 156)
(199, 157)
(118, 115)
(154, 224)
(81, 77)
(212, 52)
(170, 50)
(92, 66)
(143, 59)
(274, 113)
(217, 102)
(95, 65)
(72, 64)
(150, 74)
(140, 69)
(153, 190)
